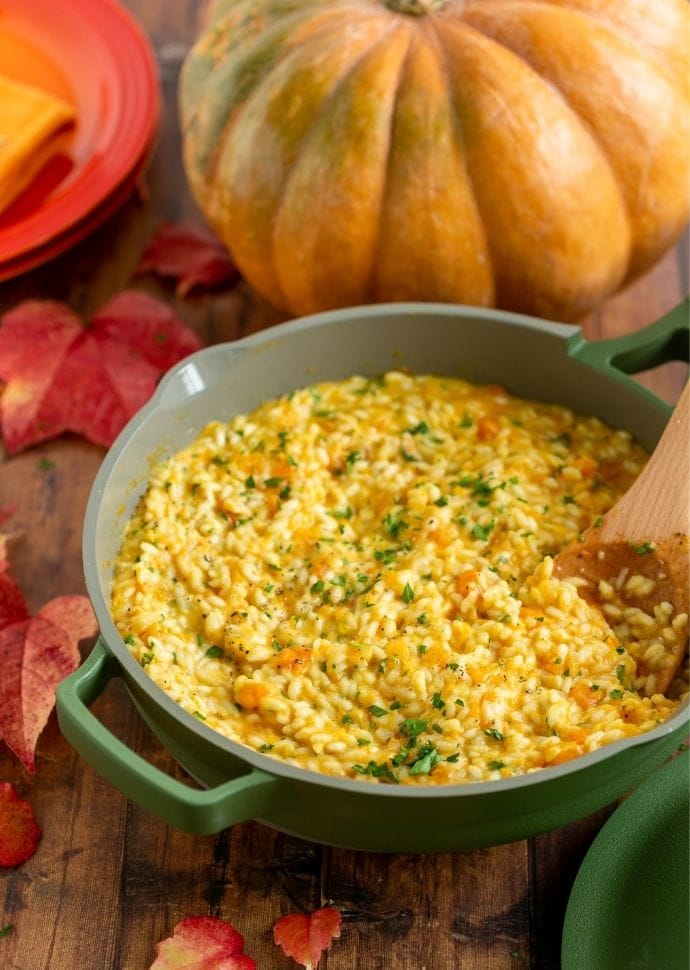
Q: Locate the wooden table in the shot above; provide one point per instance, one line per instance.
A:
(108, 880)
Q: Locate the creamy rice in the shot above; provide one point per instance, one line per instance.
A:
(357, 579)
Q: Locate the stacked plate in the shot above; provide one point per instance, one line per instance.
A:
(93, 54)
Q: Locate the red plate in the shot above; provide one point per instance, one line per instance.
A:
(93, 54)
(76, 232)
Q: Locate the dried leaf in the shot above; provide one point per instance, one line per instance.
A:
(89, 380)
(304, 937)
(152, 328)
(36, 653)
(19, 832)
(191, 254)
(202, 943)
(12, 605)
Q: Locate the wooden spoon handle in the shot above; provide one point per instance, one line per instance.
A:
(657, 505)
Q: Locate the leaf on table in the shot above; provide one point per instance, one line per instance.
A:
(202, 943)
(19, 831)
(36, 653)
(304, 937)
(191, 254)
(62, 376)
(12, 606)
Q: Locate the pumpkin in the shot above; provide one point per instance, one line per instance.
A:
(528, 154)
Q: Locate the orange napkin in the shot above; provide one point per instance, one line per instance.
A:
(32, 123)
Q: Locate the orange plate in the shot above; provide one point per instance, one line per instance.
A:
(93, 54)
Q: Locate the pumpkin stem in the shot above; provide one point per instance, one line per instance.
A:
(417, 8)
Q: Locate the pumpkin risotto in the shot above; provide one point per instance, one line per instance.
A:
(357, 579)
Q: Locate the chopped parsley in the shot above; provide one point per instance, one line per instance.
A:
(643, 548)
(482, 532)
(493, 733)
(375, 770)
(377, 711)
(386, 556)
(411, 727)
(214, 652)
(344, 514)
(427, 757)
(407, 593)
(393, 525)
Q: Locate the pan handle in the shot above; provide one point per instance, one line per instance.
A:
(199, 811)
(665, 339)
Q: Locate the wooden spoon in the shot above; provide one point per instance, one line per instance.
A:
(645, 533)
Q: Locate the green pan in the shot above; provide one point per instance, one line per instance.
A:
(630, 903)
(531, 358)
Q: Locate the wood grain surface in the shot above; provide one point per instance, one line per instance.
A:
(109, 880)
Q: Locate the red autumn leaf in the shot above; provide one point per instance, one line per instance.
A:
(202, 943)
(12, 605)
(19, 833)
(304, 937)
(36, 653)
(61, 376)
(189, 253)
(152, 327)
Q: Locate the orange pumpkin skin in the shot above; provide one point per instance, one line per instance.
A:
(528, 154)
